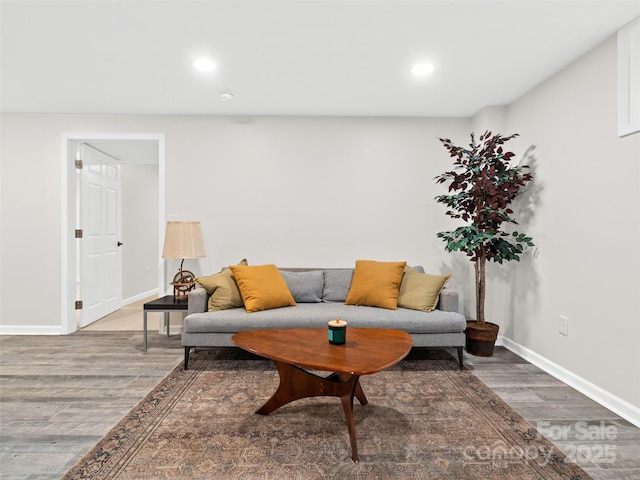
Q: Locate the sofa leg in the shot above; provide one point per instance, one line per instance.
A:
(459, 357)
(186, 357)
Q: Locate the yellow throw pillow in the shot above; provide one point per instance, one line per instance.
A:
(420, 291)
(262, 287)
(223, 290)
(375, 284)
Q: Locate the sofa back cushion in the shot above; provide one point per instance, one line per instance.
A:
(336, 284)
(306, 287)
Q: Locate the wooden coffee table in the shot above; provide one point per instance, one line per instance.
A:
(367, 351)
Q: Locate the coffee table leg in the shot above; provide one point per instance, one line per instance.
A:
(296, 383)
(347, 404)
(359, 393)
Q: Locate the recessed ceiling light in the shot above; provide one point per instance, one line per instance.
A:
(204, 65)
(226, 96)
(422, 69)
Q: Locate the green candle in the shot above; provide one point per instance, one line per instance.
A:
(337, 332)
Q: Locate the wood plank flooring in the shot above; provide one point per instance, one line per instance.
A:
(60, 394)
(606, 446)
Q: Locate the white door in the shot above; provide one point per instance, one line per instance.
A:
(100, 282)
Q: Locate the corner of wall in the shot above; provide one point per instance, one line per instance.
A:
(492, 118)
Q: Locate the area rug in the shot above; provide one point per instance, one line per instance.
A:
(426, 419)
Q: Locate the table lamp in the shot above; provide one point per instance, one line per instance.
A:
(183, 240)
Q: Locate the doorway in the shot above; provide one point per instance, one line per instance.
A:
(140, 159)
(99, 232)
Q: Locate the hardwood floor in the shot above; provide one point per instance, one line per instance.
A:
(60, 394)
(606, 446)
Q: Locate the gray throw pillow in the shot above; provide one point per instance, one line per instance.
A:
(306, 287)
(336, 284)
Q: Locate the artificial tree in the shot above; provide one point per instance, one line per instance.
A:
(482, 185)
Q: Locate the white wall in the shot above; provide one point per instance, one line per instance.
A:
(291, 191)
(583, 211)
(315, 191)
(139, 230)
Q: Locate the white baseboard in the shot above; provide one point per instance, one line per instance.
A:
(174, 328)
(617, 405)
(30, 330)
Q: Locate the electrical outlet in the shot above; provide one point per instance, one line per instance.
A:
(563, 326)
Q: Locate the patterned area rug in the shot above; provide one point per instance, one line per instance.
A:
(425, 420)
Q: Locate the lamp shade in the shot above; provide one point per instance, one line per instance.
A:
(183, 240)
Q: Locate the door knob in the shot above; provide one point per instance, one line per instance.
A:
(120, 244)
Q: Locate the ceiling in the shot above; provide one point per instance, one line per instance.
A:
(290, 57)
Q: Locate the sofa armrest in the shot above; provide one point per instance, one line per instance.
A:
(448, 301)
(198, 299)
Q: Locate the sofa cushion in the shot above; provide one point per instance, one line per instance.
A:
(223, 290)
(262, 287)
(305, 287)
(336, 284)
(316, 315)
(376, 284)
(420, 291)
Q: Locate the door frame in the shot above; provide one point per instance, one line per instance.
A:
(69, 245)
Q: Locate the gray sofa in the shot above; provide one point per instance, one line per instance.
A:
(320, 296)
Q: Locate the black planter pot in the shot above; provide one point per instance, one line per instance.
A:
(481, 339)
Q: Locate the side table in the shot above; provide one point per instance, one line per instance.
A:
(166, 304)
